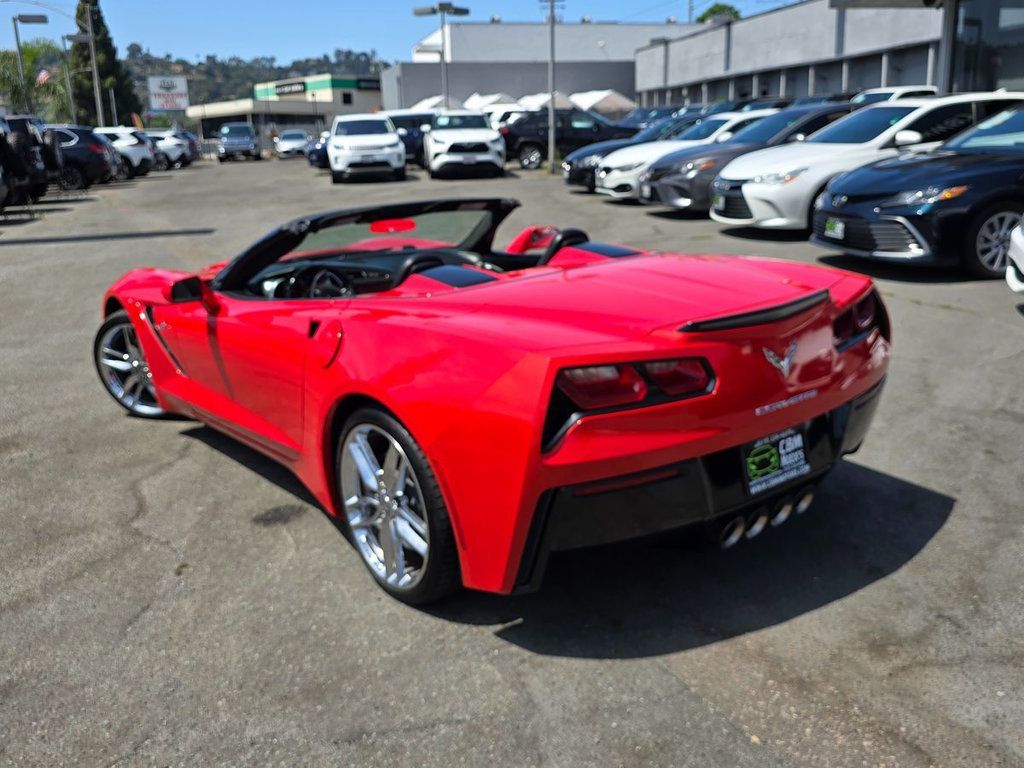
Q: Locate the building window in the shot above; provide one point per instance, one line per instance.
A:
(987, 47)
(346, 98)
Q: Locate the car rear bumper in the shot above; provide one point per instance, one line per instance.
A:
(706, 491)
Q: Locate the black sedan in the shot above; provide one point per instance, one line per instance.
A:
(956, 205)
(580, 166)
(683, 179)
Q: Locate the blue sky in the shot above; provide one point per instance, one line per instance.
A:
(290, 29)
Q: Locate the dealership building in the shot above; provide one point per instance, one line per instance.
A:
(511, 57)
(299, 102)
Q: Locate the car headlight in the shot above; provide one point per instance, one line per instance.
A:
(694, 167)
(923, 196)
(627, 167)
(778, 179)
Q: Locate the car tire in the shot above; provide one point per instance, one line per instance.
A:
(530, 156)
(122, 367)
(987, 244)
(257, 156)
(72, 178)
(403, 532)
(399, 174)
(161, 162)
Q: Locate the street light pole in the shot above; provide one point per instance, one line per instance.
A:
(443, 10)
(95, 70)
(25, 18)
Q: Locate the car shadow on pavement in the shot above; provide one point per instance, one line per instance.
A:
(646, 599)
(771, 235)
(109, 236)
(907, 273)
(257, 462)
(678, 214)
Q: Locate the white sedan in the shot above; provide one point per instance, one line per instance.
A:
(1015, 269)
(619, 173)
(775, 188)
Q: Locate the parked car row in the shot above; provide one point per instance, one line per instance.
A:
(924, 179)
(35, 155)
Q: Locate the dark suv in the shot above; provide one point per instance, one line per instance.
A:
(39, 161)
(527, 138)
(87, 159)
(408, 124)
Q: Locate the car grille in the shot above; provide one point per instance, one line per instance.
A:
(467, 147)
(736, 206)
(863, 235)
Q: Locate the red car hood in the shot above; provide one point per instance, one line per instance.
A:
(635, 296)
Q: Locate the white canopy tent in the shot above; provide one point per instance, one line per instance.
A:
(540, 101)
(481, 100)
(437, 102)
(606, 102)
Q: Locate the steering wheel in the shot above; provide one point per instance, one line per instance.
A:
(565, 237)
(327, 284)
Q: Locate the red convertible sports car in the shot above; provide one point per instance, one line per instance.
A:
(464, 411)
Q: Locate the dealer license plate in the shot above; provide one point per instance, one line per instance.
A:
(718, 202)
(775, 460)
(835, 228)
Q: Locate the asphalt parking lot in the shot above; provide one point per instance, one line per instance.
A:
(169, 597)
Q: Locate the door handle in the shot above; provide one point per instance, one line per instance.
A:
(325, 342)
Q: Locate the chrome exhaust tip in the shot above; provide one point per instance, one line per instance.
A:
(732, 532)
(783, 511)
(804, 499)
(758, 522)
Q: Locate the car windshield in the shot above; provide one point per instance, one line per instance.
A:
(293, 135)
(862, 126)
(236, 131)
(361, 128)
(438, 229)
(764, 130)
(871, 98)
(460, 121)
(702, 130)
(1004, 131)
(655, 130)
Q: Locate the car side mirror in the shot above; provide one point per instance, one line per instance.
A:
(403, 132)
(191, 288)
(425, 127)
(724, 136)
(906, 138)
(797, 137)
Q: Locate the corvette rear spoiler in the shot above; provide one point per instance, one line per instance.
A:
(757, 317)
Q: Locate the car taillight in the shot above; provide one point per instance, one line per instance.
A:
(685, 376)
(504, 130)
(97, 149)
(856, 323)
(602, 386)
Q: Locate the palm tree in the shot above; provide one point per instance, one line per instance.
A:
(43, 83)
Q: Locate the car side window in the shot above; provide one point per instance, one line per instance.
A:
(944, 123)
(66, 138)
(580, 121)
(820, 121)
(988, 108)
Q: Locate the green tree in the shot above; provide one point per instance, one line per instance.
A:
(719, 9)
(47, 95)
(113, 73)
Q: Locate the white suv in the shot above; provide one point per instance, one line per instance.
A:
(365, 144)
(463, 139)
(776, 188)
(132, 145)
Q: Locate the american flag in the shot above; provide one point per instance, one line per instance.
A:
(43, 77)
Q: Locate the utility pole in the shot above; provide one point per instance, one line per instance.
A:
(100, 120)
(689, 15)
(113, 105)
(551, 86)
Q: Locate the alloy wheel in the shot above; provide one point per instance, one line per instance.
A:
(992, 244)
(124, 372)
(530, 157)
(384, 506)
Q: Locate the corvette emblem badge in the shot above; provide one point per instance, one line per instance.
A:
(782, 364)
